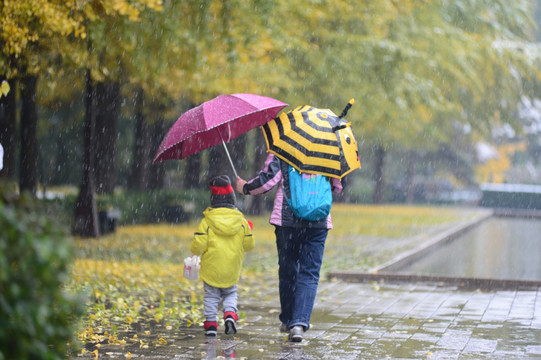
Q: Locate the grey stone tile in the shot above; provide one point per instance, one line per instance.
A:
(454, 339)
(354, 321)
(426, 338)
(533, 349)
(481, 345)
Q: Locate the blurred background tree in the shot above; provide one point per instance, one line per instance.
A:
(31, 33)
(431, 80)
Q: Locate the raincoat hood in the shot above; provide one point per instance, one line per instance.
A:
(224, 221)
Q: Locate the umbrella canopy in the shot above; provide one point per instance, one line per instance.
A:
(216, 121)
(314, 141)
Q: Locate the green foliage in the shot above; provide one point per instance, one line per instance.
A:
(511, 199)
(416, 68)
(135, 207)
(150, 207)
(36, 315)
(359, 190)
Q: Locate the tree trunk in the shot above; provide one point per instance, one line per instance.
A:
(139, 179)
(107, 110)
(28, 176)
(192, 169)
(218, 162)
(237, 148)
(192, 172)
(410, 176)
(157, 171)
(378, 175)
(8, 137)
(343, 196)
(257, 203)
(86, 211)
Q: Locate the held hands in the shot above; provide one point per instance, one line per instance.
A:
(240, 185)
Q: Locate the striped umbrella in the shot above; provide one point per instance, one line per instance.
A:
(314, 141)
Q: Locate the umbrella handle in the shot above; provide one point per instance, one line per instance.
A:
(227, 152)
(230, 161)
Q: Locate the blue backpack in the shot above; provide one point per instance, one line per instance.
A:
(311, 196)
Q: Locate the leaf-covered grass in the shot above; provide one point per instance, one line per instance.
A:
(365, 236)
(388, 221)
(133, 278)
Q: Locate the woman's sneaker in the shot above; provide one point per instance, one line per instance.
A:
(283, 328)
(230, 320)
(296, 333)
(211, 328)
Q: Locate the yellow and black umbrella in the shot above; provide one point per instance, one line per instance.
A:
(314, 141)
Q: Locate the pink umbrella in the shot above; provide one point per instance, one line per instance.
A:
(216, 121)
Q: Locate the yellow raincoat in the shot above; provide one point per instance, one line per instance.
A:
(221, 239)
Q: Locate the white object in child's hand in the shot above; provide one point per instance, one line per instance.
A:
(191, 267)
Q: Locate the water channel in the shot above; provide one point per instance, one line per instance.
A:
(498, 248)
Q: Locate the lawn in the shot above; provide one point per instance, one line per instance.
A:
(132, 279)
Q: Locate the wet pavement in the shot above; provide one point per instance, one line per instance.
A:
(372, 316)
(371, 321)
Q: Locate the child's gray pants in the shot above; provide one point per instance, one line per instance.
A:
(212, 300)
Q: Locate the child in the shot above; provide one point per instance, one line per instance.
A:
(221, 239)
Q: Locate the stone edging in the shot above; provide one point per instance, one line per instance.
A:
(460, 282)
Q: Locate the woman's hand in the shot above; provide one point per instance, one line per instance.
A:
(240, 185)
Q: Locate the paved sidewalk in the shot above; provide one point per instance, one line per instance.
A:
(378, 320)
(375, 321)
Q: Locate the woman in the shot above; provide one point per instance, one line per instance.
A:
(300, 245)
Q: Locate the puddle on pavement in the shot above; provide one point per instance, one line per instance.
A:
(498, 248)
(353, 337)
(335, 335)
